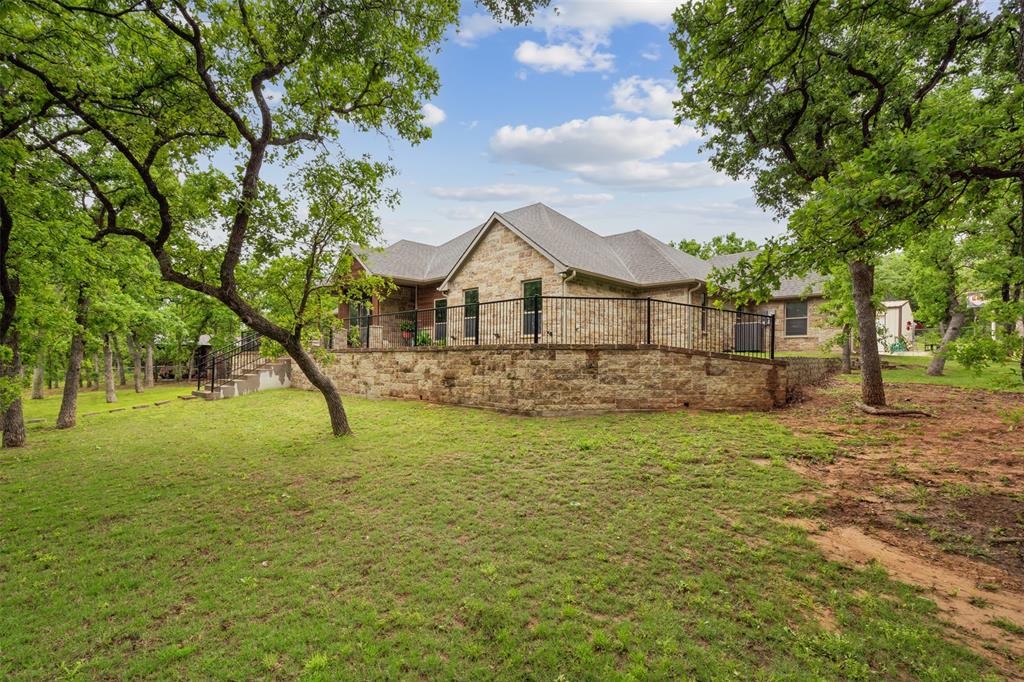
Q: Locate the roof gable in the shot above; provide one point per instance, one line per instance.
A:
(632, 258)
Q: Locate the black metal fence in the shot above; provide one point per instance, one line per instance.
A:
(219, 366)
(569, 320)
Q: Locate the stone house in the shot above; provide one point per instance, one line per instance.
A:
(536, 251)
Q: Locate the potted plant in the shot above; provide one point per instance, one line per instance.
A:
(407, 328)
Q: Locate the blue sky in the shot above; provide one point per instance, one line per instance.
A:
(573, 110)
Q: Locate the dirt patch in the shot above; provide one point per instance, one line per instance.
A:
(972, 609)
(937, 501)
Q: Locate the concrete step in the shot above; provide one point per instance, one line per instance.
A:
(266, 376)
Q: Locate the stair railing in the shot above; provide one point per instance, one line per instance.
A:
(221, 365)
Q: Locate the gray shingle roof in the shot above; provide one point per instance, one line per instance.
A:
(634, 258)
(416, 262)
(811, 284)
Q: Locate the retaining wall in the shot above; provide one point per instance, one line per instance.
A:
(551, 379)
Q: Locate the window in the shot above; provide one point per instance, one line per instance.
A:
(440, 319)
(796, 318)
(471, 298)
(531, 307)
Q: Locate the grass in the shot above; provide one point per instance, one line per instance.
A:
(1004, 377)
(95, 401)
(238, 540)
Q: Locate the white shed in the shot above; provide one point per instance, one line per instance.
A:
(895, 322)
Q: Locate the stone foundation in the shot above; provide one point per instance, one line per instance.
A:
(802, 372)
(551, 379)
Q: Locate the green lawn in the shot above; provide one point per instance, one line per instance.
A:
(238, 540)
(1005, 377)
(95, 401)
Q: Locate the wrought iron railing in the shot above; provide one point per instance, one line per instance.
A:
(219, 366)
(569, 320)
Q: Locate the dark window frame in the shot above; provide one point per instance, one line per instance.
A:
(802, 321)
(471, 312)
(532, 307)
(440, 319)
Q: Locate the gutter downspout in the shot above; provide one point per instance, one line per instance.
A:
(566, 280)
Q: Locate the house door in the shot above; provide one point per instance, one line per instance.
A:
(440, 320)
(359, 318)
(531, 306)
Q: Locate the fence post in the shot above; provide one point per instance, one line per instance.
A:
(648, 320)
(213, 372)
(415, 326)
(771, 346)
(536, 318)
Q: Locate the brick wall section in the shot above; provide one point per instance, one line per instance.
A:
(498, 266)
(805, 372)
(818, 334)
(560, 379)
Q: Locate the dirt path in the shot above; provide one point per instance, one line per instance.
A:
(938, 502)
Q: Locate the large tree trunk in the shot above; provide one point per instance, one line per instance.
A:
(847, 349)
(108, 370)
(13, 417)
(38, 377)
(122, 379)
(863, 276)
(13, 420)
(68, 415)
(957, 317)
(150, 378)
(136, 353)
(323, 383)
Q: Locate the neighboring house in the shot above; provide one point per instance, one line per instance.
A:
(537, 251)
(896, 326)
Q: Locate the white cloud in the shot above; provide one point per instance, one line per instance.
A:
(583, 199)
(649, 96)
(504, 194)
(567, 57)
(432, 115)
(613, 151)
(604, 15)
(596, 140)
(467, 214)
(497, 192)
(653, 175)
(475, 27)
(652, 53)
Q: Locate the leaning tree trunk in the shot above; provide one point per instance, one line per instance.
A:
(108, 370)
(38, 377)
(323, 383)
(957, 317)
(136, 353)
(150, 378)
(122, 379)
(68, 415)
(863, 276)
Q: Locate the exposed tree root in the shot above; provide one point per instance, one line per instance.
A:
(892, 411)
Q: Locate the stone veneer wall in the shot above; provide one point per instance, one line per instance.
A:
(805, 372)
(560, 379)
(818, 333)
